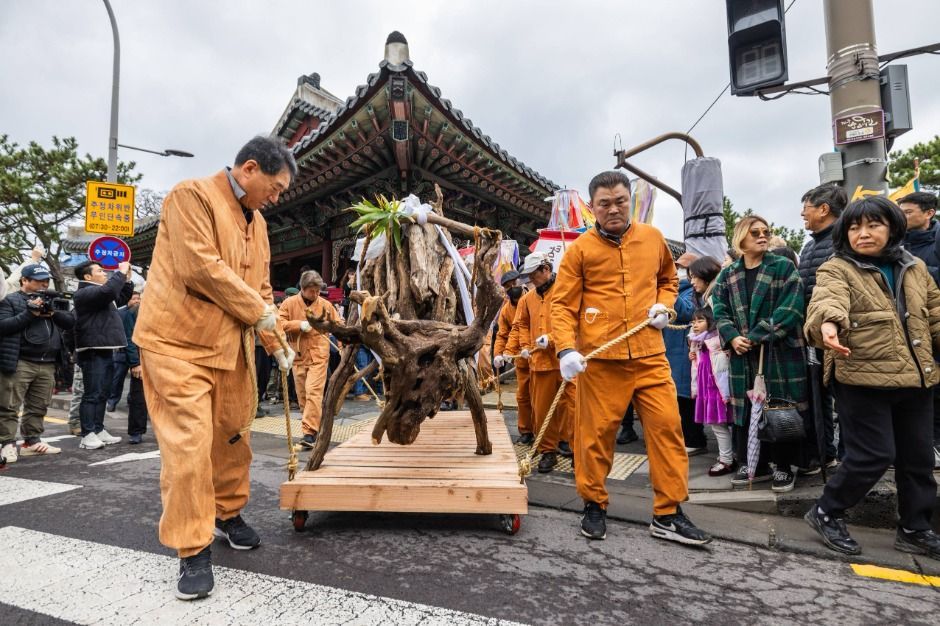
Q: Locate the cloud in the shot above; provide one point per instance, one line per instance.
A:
(552, 82)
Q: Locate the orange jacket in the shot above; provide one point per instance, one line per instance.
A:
(531, 322)
(503, 330)
(312, 346)
(603, 290)
(209, 279)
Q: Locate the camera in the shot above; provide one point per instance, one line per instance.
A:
(51, 301)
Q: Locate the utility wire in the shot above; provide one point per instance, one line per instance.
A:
(718, 97)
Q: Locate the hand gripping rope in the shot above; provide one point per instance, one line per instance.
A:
(525, 464)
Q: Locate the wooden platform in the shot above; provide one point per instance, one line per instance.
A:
(438, 473)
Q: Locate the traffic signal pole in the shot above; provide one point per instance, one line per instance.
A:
(855, 96)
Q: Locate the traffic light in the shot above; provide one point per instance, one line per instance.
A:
(757, 45)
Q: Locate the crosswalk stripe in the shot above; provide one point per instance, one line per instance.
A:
(20, 442)
(13, 490)
(130, 456)
(87, 582)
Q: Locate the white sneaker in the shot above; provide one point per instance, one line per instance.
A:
(39, 448)
(107, 438)
(8, 453)
(91, 442)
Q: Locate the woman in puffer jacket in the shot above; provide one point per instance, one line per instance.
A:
(876, 312)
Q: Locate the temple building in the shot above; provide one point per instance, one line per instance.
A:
(395, 135)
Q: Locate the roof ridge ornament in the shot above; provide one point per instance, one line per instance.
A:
(396, 51)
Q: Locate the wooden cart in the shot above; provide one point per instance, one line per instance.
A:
(438, 473)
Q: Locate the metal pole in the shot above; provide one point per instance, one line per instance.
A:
(854, 75)
(115, 89)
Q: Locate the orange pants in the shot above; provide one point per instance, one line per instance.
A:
(604, 391)
(309, 381)
(195, 410)
(523, 399)
(543, 386)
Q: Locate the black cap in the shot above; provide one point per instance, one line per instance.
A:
(508, 276)
(395, 37)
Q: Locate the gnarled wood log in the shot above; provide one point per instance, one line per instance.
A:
(424, 361)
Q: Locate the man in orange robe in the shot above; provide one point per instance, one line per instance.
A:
(208, 292)
(531, 337)
(507, 314)
(612, 278)
(313, 350)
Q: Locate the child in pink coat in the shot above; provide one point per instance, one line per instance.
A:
(710, 386)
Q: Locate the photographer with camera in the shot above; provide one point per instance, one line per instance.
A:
(31, 321)
(99, 331)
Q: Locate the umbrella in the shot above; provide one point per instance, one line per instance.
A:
(757, 395)
(816, 395)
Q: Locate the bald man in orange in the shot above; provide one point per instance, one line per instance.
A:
(208, 293)
(611, 278)
(507, 314)
(531, 337)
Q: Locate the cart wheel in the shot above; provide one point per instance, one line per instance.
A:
(299, 519)
(510, 523)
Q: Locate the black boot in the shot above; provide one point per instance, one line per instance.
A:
(526, 439)
(627, 435)
(548, 462)
(832, 530)
(565, 450)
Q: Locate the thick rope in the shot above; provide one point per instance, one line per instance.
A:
(525, 464)
(248, 345)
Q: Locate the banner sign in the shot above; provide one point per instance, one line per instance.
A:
(109, 208)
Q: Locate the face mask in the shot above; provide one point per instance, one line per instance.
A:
(514, 294)
(683, 273)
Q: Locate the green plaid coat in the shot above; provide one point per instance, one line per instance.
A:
(778, 292)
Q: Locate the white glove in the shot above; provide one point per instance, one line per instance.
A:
(525, 354)
(268, 320)
(498, 361)
(285, 361)
(305, 327)
(572, 364)
(542, 342)
(659, 315)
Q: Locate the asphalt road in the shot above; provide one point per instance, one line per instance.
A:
(91, 555)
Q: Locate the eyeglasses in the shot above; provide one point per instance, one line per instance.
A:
(759, 232)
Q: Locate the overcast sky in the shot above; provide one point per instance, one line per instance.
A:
(551, 82)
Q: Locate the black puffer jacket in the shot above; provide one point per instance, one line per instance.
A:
(98, 324)
(814, 254)
(20, 329)
(923, 245)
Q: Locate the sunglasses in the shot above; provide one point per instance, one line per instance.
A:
(759, 232)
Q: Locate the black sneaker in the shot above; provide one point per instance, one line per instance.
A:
(832, 530)
(548, 462)
(741, 480)
(627, 435)
(784, 480)
(195, 580)
(918, 542)
(565, 450)
(526, 439)
(309, 441)
(240, 535)
(679, 528)
(594, 521)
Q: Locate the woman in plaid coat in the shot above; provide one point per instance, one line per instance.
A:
(749, 293)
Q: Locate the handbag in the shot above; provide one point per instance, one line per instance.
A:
(779, 421)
